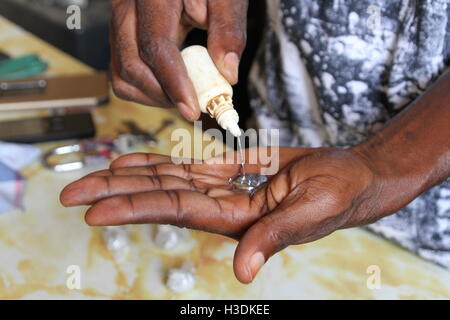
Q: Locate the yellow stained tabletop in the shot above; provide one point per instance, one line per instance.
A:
(39, 243)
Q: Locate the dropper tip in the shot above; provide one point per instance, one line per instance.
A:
(234, 129)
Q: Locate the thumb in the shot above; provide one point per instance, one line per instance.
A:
(270, 234)
(291, 221)
(227, 35)
(300, 218)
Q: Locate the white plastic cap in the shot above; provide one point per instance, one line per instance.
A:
(229, 120)
(233, 127)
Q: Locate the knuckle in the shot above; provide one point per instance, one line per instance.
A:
(120, 90)
(114, 171)
(129, 69)
(151, 51)
(179, 217)
(157, 182)
(281, 237)
(153, 171)
(239, 36)
(187, 170)
(233, 33)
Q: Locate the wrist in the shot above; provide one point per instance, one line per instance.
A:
(398, 181)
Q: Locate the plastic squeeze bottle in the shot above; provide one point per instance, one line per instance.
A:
(213, 91)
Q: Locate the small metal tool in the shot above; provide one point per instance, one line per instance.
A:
(68, 166)
(89, 152)
(95, 151)
(22, 87)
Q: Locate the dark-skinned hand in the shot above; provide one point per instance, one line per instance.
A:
(146, 63)
(315, 192)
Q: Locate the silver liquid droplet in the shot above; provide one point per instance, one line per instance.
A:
(248, 182)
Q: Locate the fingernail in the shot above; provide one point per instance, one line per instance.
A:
(187, 112)
(231, 62)
(256, 262)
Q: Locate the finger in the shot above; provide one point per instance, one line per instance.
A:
(305, 213)
(125, 91)
(222, 167)
(94, 188)
(227, 31)
(159, 28)
(196, 13)
(146, 159)
(181, 208)
(266, 237)
(226, 164)
(139, 160)
(277, 197)
(127, 66)
(188, 172)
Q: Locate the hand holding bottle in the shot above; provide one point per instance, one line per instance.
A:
(146, 63)
(214, 93)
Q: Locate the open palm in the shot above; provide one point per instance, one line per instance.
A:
(310, 196)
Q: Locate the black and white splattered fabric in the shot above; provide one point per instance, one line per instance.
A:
(331, 73)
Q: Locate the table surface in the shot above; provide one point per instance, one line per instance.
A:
(39, 243)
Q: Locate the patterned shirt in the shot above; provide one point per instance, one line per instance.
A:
(333, 72)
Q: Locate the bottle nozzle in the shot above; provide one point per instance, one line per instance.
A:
(234, 128)
(221, 108)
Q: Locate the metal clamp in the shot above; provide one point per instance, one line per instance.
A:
(65, 166)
